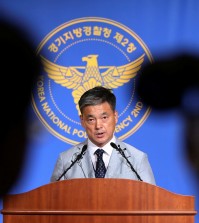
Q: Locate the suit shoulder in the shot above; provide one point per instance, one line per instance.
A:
(132, 150)
(72, 150)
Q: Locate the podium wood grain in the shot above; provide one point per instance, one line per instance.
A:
(97, 201)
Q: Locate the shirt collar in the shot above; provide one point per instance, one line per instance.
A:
(107, 148)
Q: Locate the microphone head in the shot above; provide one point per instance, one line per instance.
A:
(84, 148)
(114, 145)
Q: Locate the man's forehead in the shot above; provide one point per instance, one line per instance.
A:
(96, 114)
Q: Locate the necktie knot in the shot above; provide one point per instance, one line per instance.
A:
(100, 166)
(99, 152)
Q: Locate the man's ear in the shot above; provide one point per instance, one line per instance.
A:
(116, 116)
(81, 119)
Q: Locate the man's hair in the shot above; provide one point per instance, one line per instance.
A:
(96, 96)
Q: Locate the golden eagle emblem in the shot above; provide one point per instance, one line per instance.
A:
(83, 78)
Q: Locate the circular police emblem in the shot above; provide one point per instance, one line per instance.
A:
(79, 55)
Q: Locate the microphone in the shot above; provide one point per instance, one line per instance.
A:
(77, 159)
(124, 156)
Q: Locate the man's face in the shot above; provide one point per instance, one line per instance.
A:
(99, 122)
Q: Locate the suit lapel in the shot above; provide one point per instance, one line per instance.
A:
(87, 166)
(114, 166)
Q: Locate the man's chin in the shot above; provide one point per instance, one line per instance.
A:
(101, 142)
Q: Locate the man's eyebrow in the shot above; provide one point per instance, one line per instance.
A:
(89, 115)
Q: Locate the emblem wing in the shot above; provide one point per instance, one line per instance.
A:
(68, 77)
(115, 77)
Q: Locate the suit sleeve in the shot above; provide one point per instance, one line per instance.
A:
(145, 170)
(58, 170)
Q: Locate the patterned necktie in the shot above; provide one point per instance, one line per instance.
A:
(100, 166)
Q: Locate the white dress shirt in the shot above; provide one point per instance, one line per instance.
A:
(107, 151)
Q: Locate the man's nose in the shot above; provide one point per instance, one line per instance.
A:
(98, 123)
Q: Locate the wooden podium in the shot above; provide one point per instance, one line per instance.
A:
(98, 201)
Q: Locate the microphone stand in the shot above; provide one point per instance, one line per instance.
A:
(123, 155)
(73, 162)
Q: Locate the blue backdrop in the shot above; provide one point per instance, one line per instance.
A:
(156, 29)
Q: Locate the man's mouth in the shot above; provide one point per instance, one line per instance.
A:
(99, 134)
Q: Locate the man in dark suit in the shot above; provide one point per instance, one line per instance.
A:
(19, 69)
(121, 160)
(173, 83)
